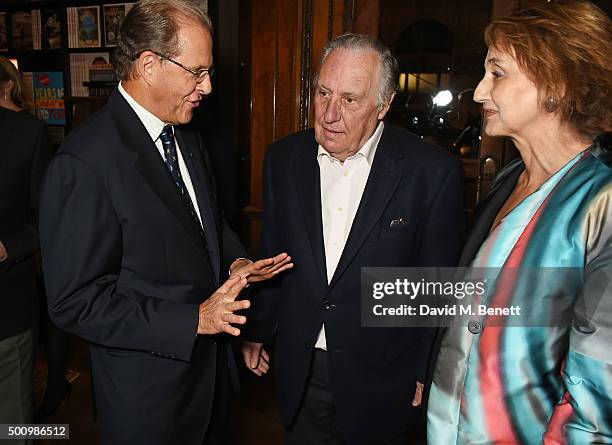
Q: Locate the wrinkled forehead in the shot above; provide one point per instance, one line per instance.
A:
(361, 64)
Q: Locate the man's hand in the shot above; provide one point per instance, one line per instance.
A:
(3, 252)
(255, 357)
(217, 312)
(418, 395)
(261, 270)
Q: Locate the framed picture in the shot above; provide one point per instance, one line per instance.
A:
(113, 16)
(88, 26)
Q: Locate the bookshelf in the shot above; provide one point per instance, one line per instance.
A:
(64, 49)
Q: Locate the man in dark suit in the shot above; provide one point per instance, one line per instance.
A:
(24, 154)
(133, 246)
(351, 193)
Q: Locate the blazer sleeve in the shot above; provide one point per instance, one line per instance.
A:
(82, 252)
(443, 231)
(261, 325)
(24, 241)
(440, 245)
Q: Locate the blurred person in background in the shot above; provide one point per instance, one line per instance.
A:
(547, 86)
(24, 154)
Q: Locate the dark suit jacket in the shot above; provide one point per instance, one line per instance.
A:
(373, 370)
(24, 154)
(126, 269)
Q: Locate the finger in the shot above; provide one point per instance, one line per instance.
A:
(229, 284)
(237, 286)
(263, 366)
(231, 330)
(277, 266)
(234, 319)
(283, 268)
(265, 355)
(234, 291)
(256, 371)
(280, 257)
(253, 359)
(261, 264)
(239, 305)
(262, 359)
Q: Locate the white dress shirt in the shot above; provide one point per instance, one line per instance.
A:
(154, 127)
(342, 185)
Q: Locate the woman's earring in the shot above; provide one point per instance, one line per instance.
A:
(550, 104)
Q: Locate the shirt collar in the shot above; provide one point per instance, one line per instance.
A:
(367, 150)
(152, 123)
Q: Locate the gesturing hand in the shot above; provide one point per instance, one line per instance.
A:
(217, 312)
(255, 357)
(261, 270)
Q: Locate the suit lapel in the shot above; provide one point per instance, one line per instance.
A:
(382, 182)
(190, 149)
(150, 165)
(308, 183)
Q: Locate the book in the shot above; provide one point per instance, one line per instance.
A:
(3, 34)
(49, 97)
(84, 27)
(22, 30)
(113, 16)
(51, 29)
(80, 64)
(88, 26)
(35, 15)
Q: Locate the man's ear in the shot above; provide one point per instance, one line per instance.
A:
(385, 107)
(145, 66)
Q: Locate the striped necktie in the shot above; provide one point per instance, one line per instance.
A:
(171, 159)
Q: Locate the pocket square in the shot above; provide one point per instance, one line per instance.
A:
(398, 222)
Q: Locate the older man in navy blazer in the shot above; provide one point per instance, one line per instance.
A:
(134, 248)
(351, 193)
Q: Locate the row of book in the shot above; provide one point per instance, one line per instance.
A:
(34, 29)
(40, 29)
(84, 30)
(91, 74)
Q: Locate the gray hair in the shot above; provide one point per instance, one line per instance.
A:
(153, 25)
(388, 64)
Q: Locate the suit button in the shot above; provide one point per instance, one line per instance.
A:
(307, 345)
(474, 327)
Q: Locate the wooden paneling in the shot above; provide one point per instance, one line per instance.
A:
(287, 37)
(366, 17)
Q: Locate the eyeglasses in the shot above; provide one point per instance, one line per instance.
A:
(200, 74)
